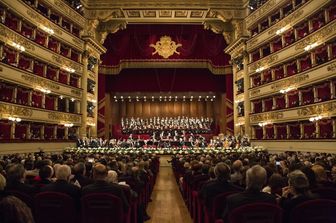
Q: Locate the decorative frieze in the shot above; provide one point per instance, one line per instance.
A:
(43, 21)
(266, 117)
(290, 82)
(76, 92)
(264, 62)
(320, 109)
(13, 110)
(259, 12)
(255, 92)
(62, 117)
(40, 82)
(67, 63)
(70, 12)
(7, 35)
(285, 22)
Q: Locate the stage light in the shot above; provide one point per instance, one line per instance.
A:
(115, 96)
(72, 99)
(121, 96)
(61, 97)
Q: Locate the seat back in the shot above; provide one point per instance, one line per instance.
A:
(326, 193)
(54, 207)
(319, 210)
(256, 213)
(218, 204)
(102, 208)
(26, 198)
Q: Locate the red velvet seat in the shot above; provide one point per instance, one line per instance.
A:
(256, 213)
(313, 211)
(54, 207)
(102, 208)
(326, 193)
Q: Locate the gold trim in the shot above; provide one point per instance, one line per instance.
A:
(67, 63)
(16, 38)
(266, 116)
(264, 62)
(250, 20)
(39, 81)
(43, 21)
(321, 109)
(287, 21)
(72, 14)
(9, 109)
(166, 47)
(289, 82)
(63, 117)
(159, 63)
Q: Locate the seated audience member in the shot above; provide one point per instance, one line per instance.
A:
(321, 176)
(62, 184)
(2, 186)
(13, 210)
(218, 186)
(45, 174)
(333, 175)
(310, 176)
(236, 176)
(15, 180)
(255, 180)
(296, 193)
(275, 184)
(102, 186)
(79, 175)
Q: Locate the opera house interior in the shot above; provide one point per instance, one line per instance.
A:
(131, 111)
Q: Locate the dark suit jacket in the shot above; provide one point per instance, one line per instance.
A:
(101, 186)
(21, 187)
(83, 180)
(63, 186)
(246, 197)
(288, 204)
(216, 187)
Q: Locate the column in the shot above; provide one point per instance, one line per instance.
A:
(66, 133)
(275, 130)
(43, 100)
(1, 51)
(66, 104)
(262, 105)
(332, 89)
(317, 129)
(264, 132)
(274, 103)
(95, 112)
(56, 104)
(247, 103)
(286, 100)
(28, 136)
(301, 131)
(12, 130)
(14, 96)
(68, 78)
(42, 132)
(45, 69)
(329, 51)
(315, 94)
(287, 131)
(313, 59)
(253, 133)
(84, 82)
(30, 98)
(55, 132)
(235, 110)
(300, 98)
(334, 127)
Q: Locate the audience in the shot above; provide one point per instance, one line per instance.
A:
(13, 210)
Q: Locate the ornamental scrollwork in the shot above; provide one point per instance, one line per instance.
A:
(9, 35)
(286, 21)
(39, 81)
(15, 110)
(76, 92)
(318, 109)
(166, 47)
(290, 81)
(63, 117)
(70, 11)
(37, 17)
(260, 11)
(255, 92)
(331, 67)
(266, 117)
(264, 62)
(65, 62)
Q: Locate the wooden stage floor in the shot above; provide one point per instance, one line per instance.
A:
(167, 205)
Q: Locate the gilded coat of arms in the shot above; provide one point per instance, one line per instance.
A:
(165, 47)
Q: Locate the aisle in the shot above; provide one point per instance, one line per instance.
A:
(167, 205)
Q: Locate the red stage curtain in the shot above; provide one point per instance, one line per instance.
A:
(255, 55)
(258, 132)
(289, 37)
(294, 131)
(6, 92)
(48, 132)
(51, 73)
(291, 68)
(293, 98)
(27, 30)
(318, 21)
(305, 62)
(5, 129)
(309, 130)
(323, 92)
(9, 56)
(277, 45)
(60, 132)
(256, 80)
(65, 50)
(53, 44)
(280, 102)
(321, 55)
(279, 72)
(40, 38)
(74, 56)
(22, 96)
(268, 104)
(74, 81)
(269, 131)
(24, 62)
(307, 96)
(332, 12)
(281, 131)
(326, 128)
(11, 21)
(50, 102)
(37, 99)
(63, 77)
(302, 30)
(267, 76)
(20, 131)
(257, 106)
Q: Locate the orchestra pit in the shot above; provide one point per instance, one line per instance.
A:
(167, 111)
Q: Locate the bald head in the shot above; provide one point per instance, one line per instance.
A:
(99, 172)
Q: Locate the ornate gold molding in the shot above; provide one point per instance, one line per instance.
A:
(166, 47)
(318, 36)
(9, 35)
(70, 12)
(255, 92)
(76, 92)
(159, 63)
(266, 117)
(65, 62)
(43, 21)
(331, 67)
(63, 117)
(289, 82)
(264, 62)
(9, 109)
(320, 109)
(40, 82)
(258, 13)
(287, 21)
